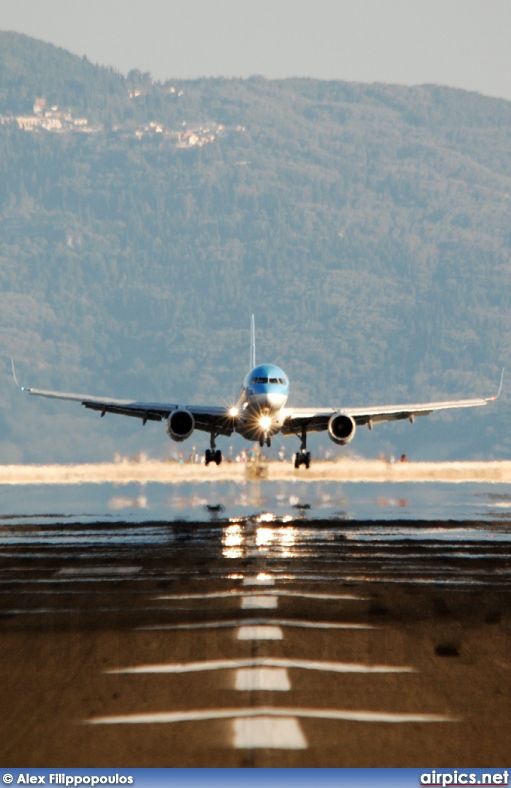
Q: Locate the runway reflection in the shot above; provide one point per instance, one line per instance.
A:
(262, 501)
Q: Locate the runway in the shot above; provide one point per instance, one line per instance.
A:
(176, 473)
(255, 642)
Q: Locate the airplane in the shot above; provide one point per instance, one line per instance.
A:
(260, 412)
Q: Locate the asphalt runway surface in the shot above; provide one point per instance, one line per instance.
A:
(255, 642)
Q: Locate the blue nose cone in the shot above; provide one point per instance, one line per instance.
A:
(267, 387)
(267, 378)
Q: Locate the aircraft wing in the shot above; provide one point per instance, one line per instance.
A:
(316, 419)
(205, 416)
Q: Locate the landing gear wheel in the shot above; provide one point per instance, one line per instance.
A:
(213, 454)
(261, 442)
(268, 441)
(302, 458)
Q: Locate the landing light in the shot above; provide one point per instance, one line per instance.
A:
(233, 412)
(265, 423)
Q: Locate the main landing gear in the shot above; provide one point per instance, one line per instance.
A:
(265, 439)
(213, 454)
(303, 457)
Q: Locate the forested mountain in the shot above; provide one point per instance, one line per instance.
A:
(366, 226)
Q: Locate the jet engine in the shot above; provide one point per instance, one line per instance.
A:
(180, 425)
(341, 429)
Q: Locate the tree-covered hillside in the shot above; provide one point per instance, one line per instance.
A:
(366, 226)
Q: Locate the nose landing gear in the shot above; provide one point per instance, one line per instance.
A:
(213, 454)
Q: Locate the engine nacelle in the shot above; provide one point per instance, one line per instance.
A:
(341, 429)
(180, 425)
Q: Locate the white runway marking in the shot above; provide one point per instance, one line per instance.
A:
(99, 570)
(347, 715)
(66, 579)
(260, 632)
(312, 595)
(272, 593)
(259, 602)
(276, 734)
(210, 595)
(262, 622)
(261, 579)
(252, 679)
(41, 610)
(271, 662)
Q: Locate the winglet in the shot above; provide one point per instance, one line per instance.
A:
(252, 343)
(21, 388)
(497, 395)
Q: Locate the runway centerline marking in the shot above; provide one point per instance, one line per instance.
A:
(262, 678)
(272, 662)
(268, 733)
(202, 715)
(259, 602)
(262, 579)
(260, 632)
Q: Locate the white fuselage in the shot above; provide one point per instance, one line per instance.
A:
(261, 405)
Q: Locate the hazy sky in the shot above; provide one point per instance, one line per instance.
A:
(461, 43)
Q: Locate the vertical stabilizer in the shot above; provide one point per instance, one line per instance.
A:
(252, 343)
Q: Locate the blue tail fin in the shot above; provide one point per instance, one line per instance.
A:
(252, 344)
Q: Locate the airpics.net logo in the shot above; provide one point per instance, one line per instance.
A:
(454, 778)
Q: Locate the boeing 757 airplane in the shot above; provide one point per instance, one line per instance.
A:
(260, 412)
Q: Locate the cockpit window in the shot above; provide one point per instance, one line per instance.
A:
(269, 380)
